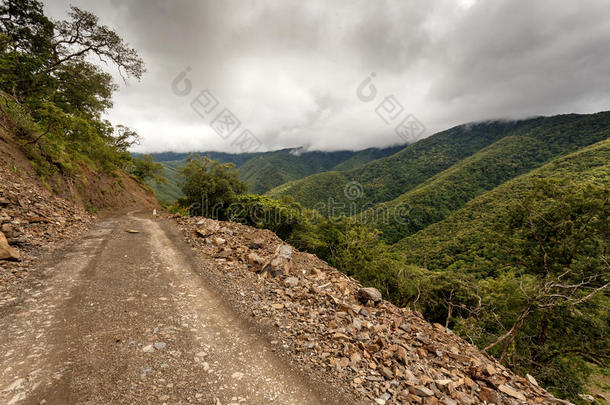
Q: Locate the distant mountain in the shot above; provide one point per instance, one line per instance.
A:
(387, 178)
(524, 149)
(433, 177)
(263, 171)
(466, 240)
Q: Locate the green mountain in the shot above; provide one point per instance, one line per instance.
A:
(439, 174)
(263, 171)
(525, 148)
(387, 178)
(467, 240)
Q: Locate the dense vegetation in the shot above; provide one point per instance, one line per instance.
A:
(526, 255)
(385, 179)
(264, 170)
(209, 187)
(524, 149)
(52, 98)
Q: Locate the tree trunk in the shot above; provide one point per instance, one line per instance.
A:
(509, 336)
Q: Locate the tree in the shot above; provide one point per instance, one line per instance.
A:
(82, 36)
(559, 239)
(145, 168)
(25, 40)
(210, 187)
(47, 76)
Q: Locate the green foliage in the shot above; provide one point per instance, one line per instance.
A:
(437, 175)
(53, 98)
(145, 169)
(284, 218)
(210, 186)
(265, 170)
(516, 263)
(525, 149)
(387, 178)
(535, 252)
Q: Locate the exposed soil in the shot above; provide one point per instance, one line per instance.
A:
(123, 317)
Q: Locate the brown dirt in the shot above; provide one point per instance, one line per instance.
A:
(126, 318)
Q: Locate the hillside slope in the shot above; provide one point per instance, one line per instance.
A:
(523, 150)
(328, 322)
(468, 236)
(388, 178)
(39, 216)
(263, 171)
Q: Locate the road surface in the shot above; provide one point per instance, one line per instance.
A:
(123, 317)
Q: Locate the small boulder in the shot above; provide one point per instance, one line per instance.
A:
(219, 241)
(205, 231)
(531, 380)
(159, 345)
(507, 389)
(280, 263)
(369, 294)
(6, 251)
(421, 391)
(254, 260)
(256, 244)
(291, 281)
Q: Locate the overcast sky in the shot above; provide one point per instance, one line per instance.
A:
(289, 71)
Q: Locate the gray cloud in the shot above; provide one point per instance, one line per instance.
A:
(289, 70)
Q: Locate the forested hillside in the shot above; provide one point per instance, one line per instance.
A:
(507, 245)
(525, 266)
(264, 170)
(520, 270)
(523, 150)
(387, 178)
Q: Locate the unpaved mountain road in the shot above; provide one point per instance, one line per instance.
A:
(125, 318)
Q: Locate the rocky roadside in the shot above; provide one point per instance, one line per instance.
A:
(33, 222)
(328, 323)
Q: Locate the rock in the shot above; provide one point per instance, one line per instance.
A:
(219, 241)
(284, 251)
(531, 380)
(587, 397)
(401, 353)
(463, 398)
(4, 202)
(387, 373)
(508, 390)
(131, 231)
(489, 396)
(207, 230)
(256, 244)
(224, 253)
(280, 263)
(237, 375)
(8, 230)
(255, 260)
(369, 294)
(159, 345)
(291, 281)
(421, 391)
(148, 349)
(387, 354)
(6, 251)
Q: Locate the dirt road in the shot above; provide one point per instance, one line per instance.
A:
(124, 318)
